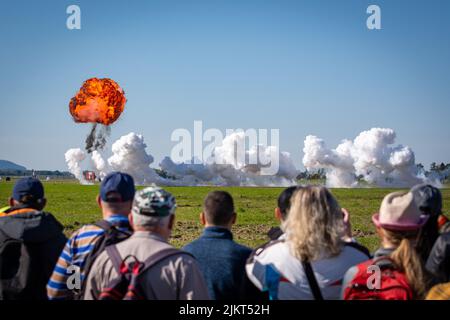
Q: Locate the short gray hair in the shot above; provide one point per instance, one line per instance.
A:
(147, 221)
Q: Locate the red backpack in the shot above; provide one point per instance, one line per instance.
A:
(393, 283)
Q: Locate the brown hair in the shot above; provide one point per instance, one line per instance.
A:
(407, 259)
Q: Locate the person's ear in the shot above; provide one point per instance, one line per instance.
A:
(171, 222)
(202, 218)
(234, 218)
(43, 203)
(130, 220)
(11, 202)
(379, 232)
(278, 214)
(130, 206)
(99, 201)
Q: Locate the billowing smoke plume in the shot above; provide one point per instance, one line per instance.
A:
(129, 156)
(74, 157)
(101, 167)
(229, 164)
(371, 156)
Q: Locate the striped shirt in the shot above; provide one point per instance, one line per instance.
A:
(75, 253)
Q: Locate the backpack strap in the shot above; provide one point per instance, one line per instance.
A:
(103, 224)
(384, 262)
(312, 281)
(115, 257)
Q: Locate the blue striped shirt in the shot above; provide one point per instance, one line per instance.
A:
(75, 252)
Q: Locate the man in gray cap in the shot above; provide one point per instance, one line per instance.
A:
(176, 277)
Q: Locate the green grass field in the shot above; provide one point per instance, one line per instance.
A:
(75, 205)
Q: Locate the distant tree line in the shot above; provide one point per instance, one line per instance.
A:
(441, 170)
(45, 173)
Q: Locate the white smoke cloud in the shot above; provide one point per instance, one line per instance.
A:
(372, 156)
(231, 164)
(228, 164)
(74, 158)
(101, 167)
(130, 156)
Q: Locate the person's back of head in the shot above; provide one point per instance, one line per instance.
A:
(284, 202)
(153, 210)
(218, 209)
(28, 193)
(429, 200)
(117, 191)
(315, 224)
(399, 224)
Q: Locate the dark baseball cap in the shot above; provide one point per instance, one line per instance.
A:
(428, 199)
(117, 183)
(28, 188)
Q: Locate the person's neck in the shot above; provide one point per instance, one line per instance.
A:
(108, 214)
(387, 245)
(152, 230)
(217, 226)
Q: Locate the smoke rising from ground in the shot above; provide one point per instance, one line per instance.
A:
(232, 164)
(372, 156)
(371, 159)
(74, 157)
(224, 167)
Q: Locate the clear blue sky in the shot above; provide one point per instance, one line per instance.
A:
(305, 67)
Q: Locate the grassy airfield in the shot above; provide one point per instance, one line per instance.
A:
(74, 205)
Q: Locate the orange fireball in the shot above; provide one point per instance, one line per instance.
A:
(98, 101)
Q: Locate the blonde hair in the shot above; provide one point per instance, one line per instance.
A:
(315, 224)
(407, 260)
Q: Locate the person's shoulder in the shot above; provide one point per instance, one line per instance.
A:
(442, 242)
(178, 257)
(86, 231)
(242, 249)
(445, 237)
(267, 250)
(357, 247)
(193, 245)
(354, 253)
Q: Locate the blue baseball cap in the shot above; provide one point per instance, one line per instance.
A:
(117, 183)
(29, 188)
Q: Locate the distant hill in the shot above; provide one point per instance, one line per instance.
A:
(8, 165)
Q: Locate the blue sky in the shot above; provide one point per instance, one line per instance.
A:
(305, 67)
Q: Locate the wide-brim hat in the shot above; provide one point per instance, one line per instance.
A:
(399, 211)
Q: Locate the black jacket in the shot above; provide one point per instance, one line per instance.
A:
(438, 263)
(44, 239)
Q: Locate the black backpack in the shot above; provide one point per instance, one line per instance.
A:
(15, 268)
(126, 286)
(111, 236)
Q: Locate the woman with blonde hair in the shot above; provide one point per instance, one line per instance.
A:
(310, 259)
(397, 271)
